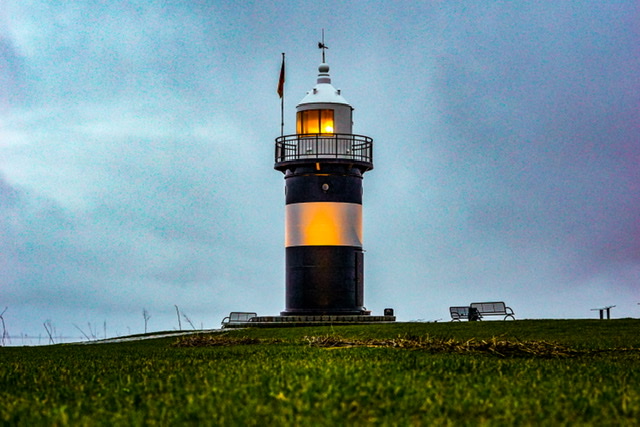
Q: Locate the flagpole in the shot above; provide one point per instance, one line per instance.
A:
(281, 93)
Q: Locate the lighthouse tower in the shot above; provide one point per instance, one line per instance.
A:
(323, 165)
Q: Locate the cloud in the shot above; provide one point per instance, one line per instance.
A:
(142, 206)
(136, 153)
(523, 180)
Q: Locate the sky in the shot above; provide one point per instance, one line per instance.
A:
(137, 143)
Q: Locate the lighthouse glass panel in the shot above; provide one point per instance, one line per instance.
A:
(315, 122)
(326, 121)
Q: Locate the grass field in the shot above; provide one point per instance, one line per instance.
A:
(531, 372)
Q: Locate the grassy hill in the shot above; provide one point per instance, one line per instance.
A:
(530, 372)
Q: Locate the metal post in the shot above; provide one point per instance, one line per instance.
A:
(281, 93)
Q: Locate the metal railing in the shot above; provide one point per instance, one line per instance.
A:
(339, 146)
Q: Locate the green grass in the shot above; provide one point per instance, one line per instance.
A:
(397, 374)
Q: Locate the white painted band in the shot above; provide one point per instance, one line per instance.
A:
(323, 224)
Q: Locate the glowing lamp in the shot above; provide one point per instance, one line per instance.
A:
(311, 122)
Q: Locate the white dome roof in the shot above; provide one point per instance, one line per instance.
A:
(323, 92)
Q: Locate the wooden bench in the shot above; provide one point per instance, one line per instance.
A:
(459, 313)
(238, 318)
(493, 309)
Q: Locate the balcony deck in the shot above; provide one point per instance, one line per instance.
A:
(324, 148)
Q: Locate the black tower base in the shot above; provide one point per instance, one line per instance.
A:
(324, 280)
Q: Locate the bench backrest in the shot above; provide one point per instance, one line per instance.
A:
(238, 317)
(459, 312)
(490, 307)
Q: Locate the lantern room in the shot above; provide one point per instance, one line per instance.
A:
(324, 125)
(323, 110)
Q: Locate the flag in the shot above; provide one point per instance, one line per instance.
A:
(281, 81)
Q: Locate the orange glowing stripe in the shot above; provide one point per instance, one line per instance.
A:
(323, 224)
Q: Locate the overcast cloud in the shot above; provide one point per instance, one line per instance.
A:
(136, 156)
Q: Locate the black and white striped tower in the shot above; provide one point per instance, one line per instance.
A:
(323, 165)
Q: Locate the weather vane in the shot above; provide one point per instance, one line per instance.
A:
(322, 46)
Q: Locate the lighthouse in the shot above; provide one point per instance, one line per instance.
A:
(323, 164)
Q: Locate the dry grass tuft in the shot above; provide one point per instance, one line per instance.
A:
(495, 346)
(198, 340)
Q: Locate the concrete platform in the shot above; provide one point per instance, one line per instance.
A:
(325, 320)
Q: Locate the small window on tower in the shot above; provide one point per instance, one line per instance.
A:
(314, 122)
